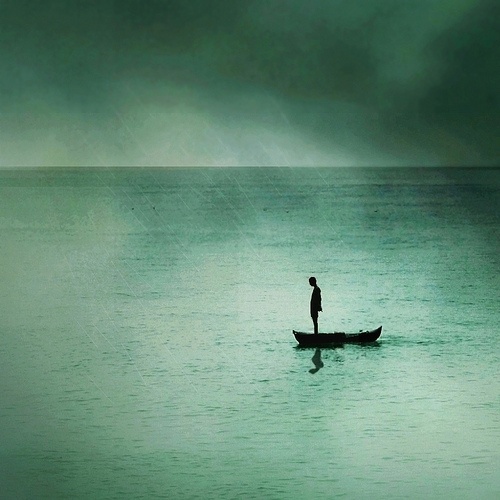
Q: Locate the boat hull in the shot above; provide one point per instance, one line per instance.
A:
(337, 338)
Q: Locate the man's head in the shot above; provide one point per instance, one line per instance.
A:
(312, 281)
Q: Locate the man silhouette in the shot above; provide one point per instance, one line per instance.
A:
(315, 302)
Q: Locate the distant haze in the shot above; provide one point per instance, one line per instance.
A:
(249, 82)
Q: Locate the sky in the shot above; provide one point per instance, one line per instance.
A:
(249, 82)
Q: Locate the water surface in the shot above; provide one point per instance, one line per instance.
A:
(147, 352)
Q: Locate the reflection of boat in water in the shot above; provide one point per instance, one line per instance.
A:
(336, 338)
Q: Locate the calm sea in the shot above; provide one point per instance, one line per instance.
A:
(146, 321)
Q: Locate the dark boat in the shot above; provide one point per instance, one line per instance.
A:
(337, 338)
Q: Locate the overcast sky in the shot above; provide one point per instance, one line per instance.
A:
(249, 82)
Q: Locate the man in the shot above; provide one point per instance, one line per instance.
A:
(315, 302)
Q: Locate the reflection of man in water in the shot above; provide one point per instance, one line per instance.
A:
(315, 302)
(316, 359)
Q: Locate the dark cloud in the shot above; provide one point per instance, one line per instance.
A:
(369, 82)
(466, 100)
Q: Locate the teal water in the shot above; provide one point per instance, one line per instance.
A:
(146, 347)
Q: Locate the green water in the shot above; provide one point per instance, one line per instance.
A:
(147, 352)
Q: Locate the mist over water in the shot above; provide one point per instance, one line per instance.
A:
(146, 319)
(224, 82)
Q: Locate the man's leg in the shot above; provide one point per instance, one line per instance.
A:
(315, 323)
